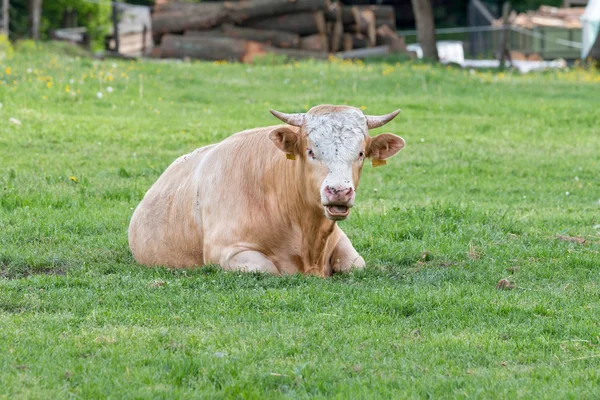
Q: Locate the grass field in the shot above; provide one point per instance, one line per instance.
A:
(499, 180)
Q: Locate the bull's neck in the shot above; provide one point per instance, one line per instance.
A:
(306, 213)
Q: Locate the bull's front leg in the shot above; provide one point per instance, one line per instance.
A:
(344, 256)
(249, 261)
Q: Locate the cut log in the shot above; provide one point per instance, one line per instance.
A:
(209, 33)
(365, 24)
(335, 10)
(315, 43)
(331, 12)
(240, 11)
(272, 38)
(359, 41)
(389, 37)
(172, 22)
(382, 12)
(304, 23)
(347, 42)
(348, 15)
(210, 48)
(384, 21)
(335, 27)
(336, 35)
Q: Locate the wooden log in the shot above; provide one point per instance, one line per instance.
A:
(367, 18)
(383, 12)
(389, 37)
(210, 48)
(336, 35)
(240, 11)
(335, 27)
(304, 23)
(348, 15)
(331, 12)
(347, 42)
(335, 10)
(365, 24)
(359, 41)
(270, 37)
(385, 21)
(172, 22)
(315, 43)
(209, 33)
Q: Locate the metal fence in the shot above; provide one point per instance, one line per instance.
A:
(484, 41)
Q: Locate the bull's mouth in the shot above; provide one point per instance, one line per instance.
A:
(337, 212)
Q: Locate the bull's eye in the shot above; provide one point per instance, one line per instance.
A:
(361, 155)
(310, 153)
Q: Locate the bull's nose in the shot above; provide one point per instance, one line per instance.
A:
(339, 194)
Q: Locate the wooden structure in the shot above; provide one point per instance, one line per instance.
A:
(132, 32)
(293, 28)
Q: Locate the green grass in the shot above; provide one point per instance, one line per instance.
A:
(479, 194)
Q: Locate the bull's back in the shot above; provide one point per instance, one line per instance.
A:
(165, 228)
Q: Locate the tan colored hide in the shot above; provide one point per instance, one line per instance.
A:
(241, 195)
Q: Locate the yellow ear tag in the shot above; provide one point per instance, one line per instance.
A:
(378, 163)
(290, 156)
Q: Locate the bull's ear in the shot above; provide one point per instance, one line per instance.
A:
(286, 140)
(384, 146)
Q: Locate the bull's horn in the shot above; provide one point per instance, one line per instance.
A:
(292, 119)
(375, 121)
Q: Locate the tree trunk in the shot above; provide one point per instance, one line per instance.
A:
(425, 28)
(304, 23)
(5, 12)
(180, 21)
(240, 11)
(316, 42)
(210, 48)
(35, 15)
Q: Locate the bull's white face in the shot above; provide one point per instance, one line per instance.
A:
(332, 144)
(335, 152)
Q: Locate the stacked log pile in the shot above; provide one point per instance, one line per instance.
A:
(568, 18)
(241, 30)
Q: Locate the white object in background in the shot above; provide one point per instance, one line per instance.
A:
(449, 51)
(590, 26)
